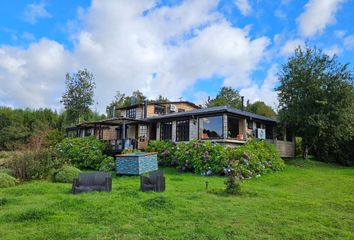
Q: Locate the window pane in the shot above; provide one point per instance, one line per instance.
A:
(233, 127)
(182, 130)
(211, 127)
(166, 131)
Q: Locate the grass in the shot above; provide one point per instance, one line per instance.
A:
(309, 200)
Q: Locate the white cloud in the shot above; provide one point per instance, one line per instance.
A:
(265, 91)
(244, 6)
(333, 50)
(32, 77)
(33, 12)
(290, 46)
(339, 33)
(164, 51)
(317, 15)
(349, 42)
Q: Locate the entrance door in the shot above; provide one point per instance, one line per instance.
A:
(143, 136)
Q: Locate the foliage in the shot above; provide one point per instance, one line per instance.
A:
(305, 201)
(232, 182)
(122, 100)
(85, 152)
(227, 96)
(108, 164)
(78, 96)
(208, 158)
(8, 171)
(316, 100)
(6, 180)
(28, 164)
(66, 174)
(260, 108)
(130, 150)
(298, 146)
(17, 126)
(166, 152)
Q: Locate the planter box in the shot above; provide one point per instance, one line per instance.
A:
(136, 163)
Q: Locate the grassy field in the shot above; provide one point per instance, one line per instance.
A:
(309, 200)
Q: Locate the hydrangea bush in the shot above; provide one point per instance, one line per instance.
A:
(208, 158)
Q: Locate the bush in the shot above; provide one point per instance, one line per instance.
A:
(232, 182)
(86, 152)
(28, 165)
(8, 171)
(208, 158)
(6, 180)
(166, 151)
(108, 164)
(66, 174)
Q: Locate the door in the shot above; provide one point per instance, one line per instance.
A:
(142, 136)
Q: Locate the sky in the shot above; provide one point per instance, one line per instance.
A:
(187, 49)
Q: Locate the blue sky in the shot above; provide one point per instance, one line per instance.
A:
(178, 49)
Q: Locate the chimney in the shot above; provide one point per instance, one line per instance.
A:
(145, 108)
(242, 105)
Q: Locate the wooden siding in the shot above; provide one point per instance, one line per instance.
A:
(109, 133)
(286, 149)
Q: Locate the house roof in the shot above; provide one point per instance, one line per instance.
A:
(213, 110)
(159, 103)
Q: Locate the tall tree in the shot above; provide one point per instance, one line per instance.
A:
(227, 96)
(260, 108)
(78, 96)
(316, 100)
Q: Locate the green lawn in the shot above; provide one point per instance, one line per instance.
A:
(308, 200)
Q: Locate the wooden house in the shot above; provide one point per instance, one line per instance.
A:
(182, 121)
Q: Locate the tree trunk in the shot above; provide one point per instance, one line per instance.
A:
(305, 151)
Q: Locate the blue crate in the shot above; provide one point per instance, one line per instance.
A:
(136, 163)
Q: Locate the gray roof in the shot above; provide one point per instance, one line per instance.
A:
(213, 110)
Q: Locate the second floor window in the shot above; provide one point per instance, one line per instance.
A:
(160, 110)
(131, 113)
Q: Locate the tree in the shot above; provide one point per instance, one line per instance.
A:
(122, 100)
(316, 101)
(227, 96)
(78, 96)
(260, 108)
(161, 99)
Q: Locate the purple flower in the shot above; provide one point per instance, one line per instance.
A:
(206, 155)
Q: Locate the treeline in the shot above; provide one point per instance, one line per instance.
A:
(17, 126)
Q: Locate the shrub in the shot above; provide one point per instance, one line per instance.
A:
(232, 182)
(86, 152)
(34, 165)
(108, 164)
(66, 174)
(6, 180)
(207, 158)
(166, 151)
(7, 171)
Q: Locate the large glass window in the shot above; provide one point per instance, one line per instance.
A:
(182, 130)
(233, 128)
(166, 131)
(211, 127)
